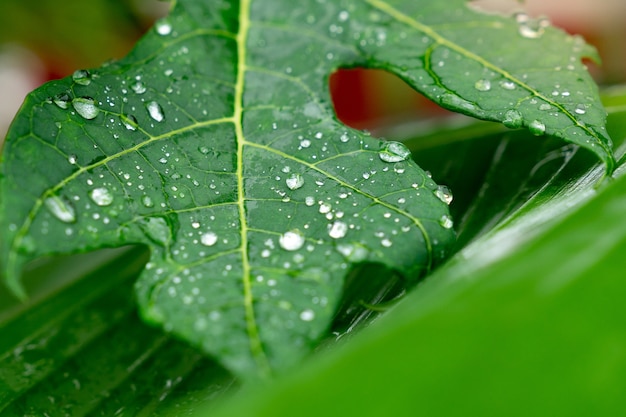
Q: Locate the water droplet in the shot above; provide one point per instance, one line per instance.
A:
(157, 229)
(62, 100)
(386, 243)
(295, 181)
(443, 193)
(208, 239)
(138, 87)
(163, 27)
(457, 102)
(307, 315)
(129, 121)
(325, 208)
(353, 252)
(446, 222)
(86, 107)
(147, 201)
(291, 240)
(393, 152)
(537, 128)
(72, 159)
(482, 85)
(305, 143)
(61, 209)
(507, 85)
(344, 137)
(337, 230)
(544, 107)
(309, 201)
(155, 111)
(82, 77)
(512, 119)
(580, 109)
(101, 196)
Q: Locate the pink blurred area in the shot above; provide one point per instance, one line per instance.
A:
(363, 99)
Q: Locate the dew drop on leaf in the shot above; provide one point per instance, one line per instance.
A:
(446, 222)
(129, 121)
(86, 107)
(61, 209)
(507, 85)
(513, 119)
(337, 230)
(163, 27)
(101, 196)
(295, 181)
(138, 87)
(291, 240)
(580, 109)
(393, 152)
(155, 111)
(147, 201)
(444, 194)
(208, 239)
(537, 128)
(309, 201)
(62, 100)
(482, 85)
(82, 77)
(353, 252)
(307, 315)
(72, 159)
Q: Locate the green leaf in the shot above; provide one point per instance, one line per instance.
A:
(527, 320)
(214, 143)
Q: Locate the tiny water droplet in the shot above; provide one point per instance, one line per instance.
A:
(72, 159)
(580, 109)
(444, 194)
(208, 239)
(295, 181)
(86, 107)
(61, 208)
(155, 111)
(537, 128)
(482, 85)
(62, 100)
(163, 27)
(446, 222)
(307, 315)
(129, 121)
(512, 119)
(101, 196)
(393, 152)
(337, 230)
(291, 240)
(82, 77)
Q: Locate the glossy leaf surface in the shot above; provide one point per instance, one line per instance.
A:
(214, 142)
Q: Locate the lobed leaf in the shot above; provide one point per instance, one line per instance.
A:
(215, 143)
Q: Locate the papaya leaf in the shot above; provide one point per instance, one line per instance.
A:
(214, 142)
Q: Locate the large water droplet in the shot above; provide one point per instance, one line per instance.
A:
(291, 240)
(393, 152)
(155, 111)
(61, 209)
(208, 239)
(129, 121)
(295, 181)
(507, 84)
(537, 128)
(86, 107)
(482, 85)
(580, 109)
(337, 230)
(82, 77)
(101, 196)
(512, 119)
(444, 194)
